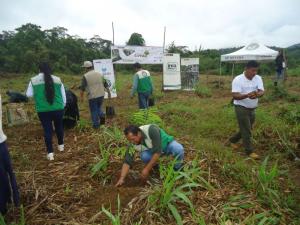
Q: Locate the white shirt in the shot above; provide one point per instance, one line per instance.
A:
(29, 92)
(241, 84)
(2, 135)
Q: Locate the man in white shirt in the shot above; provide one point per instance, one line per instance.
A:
(246, 89)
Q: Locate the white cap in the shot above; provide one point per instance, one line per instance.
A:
(87, 64)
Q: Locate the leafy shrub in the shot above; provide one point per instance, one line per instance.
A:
(268, 185)
(176, 187)
(202, 91)
(290, 113)
(279, 92)
(146, 116)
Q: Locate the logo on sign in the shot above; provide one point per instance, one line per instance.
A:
(252, 46)
(172, 66)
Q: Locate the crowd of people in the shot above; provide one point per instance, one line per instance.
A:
(150, 140)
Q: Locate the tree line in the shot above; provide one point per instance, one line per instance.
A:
(21, 51)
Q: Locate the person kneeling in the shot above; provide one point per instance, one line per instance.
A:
(152, 142)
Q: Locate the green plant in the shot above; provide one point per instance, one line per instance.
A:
(120, 152)
(268, 186)
(21, 221)
(115, 219)
(202, 91)
(102, 163)
(193, 173)
(82, 125)
(68, 189)
(146, 116)
(175, 188)
(284, 140)
(290, 113)
(279, 92)
(113, 136)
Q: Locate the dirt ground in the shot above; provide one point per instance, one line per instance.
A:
(64, 192)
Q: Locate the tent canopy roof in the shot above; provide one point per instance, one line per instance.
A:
(253, 51)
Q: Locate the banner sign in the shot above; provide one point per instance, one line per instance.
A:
(105, 67)
(136, 54)
(171, 72)
(189, 73)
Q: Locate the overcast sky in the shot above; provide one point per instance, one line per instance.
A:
(209, 23)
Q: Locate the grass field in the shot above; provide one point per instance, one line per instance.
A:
(218, 186)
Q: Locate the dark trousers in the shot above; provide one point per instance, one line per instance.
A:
(8, 184)
(144, 100)
(245, 118)
(55, 117)
(95, 105)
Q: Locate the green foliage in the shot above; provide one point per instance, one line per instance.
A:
(182, 50)
(202, 91)
(176, 187)
(113, 136)
(114, 219)
(136, 39)
(279, 92)
(146, 116)
(21, 221)
(103, 161)
(194, 174)
(268, 185)
(291, 113)
(83, 125)
(237, 204)
(23, 49)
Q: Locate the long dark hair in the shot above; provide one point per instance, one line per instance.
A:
(49, 84)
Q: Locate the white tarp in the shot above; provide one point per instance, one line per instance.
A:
(253, 51)
(133, 54)
(105, 67)
(189, 73)
(171, 72)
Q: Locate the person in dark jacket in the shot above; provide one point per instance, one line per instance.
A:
(280, 62)
(71, 115)
(8, 183)
(16, 97)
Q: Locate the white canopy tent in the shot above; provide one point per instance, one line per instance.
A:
(253, 51)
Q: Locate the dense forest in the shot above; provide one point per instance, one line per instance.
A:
(22, 49)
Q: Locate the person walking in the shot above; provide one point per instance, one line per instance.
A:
(280, 63)
(142, 84)
(94, 83)
(50, 99)
(8, 183)
(246, 89)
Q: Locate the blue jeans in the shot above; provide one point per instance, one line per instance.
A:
(174, 148)
(280, 74)
(144, 99)
(8, 183)
(47, 118)
(95, 105)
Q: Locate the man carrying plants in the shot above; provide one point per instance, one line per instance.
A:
(142, 84)
(246, 89)
(152, 142)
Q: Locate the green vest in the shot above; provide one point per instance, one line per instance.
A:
(39, 94)
(165, 138)
(144, 83)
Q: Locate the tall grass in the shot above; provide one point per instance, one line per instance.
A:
(114, 219)
(176, 187)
